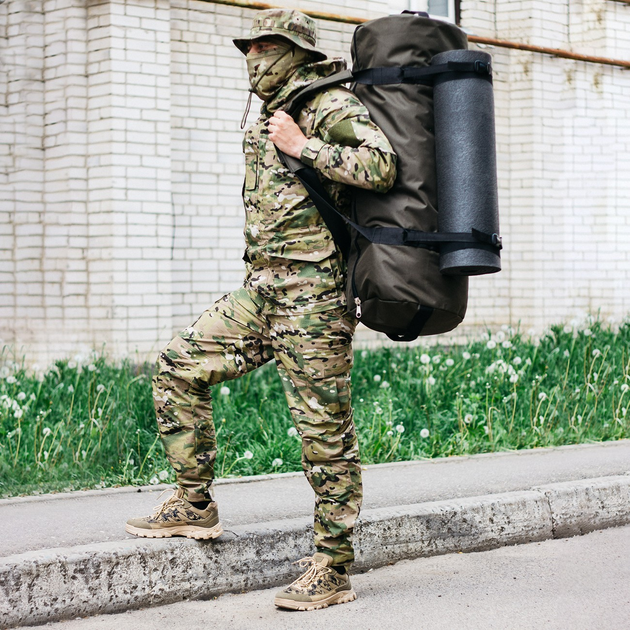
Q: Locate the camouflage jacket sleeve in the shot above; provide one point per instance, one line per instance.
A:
(345, 145)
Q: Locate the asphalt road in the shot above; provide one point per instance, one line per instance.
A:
(580, 583)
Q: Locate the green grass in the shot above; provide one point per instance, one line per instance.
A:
(92, 424)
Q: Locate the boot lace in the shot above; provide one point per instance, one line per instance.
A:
(314, 571)
(173, 500)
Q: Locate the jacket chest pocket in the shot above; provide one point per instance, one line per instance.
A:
(250, 149)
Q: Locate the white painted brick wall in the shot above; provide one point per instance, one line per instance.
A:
(121, 167)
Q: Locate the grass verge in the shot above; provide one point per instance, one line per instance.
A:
(86, 424)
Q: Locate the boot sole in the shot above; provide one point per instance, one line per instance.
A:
(343, 597)
(190, 531)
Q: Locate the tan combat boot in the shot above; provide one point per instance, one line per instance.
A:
(320, 587)
(177, 517)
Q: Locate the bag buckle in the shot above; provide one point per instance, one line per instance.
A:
(483, 67)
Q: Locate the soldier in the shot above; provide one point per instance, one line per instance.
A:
(291, 308)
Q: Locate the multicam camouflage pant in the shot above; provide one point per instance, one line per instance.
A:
(293, 312)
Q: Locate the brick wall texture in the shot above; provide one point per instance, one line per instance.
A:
(121, 167)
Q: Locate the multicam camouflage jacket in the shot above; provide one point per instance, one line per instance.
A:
(344, 146)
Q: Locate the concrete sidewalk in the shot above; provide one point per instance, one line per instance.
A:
(67, 555)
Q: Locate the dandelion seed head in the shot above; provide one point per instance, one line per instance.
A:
(587, 332)
(163, 475)
(596, 353)
(91, 367)
(450, 362)
(542, 396)
(567, 329)
(431, 381)
(424, 433)
(292, 432)
(153, 481)
(468, 418)
(47, 431)
(466, 356)
(248, 455)
(72, 364)
(11, 380)
(566, 354)
(277, 462)
(71, 388)
(21, 396)
(625, 387)
(224, 391)
(436, 358)
(100, 388)
(425, 359)
(390, 433)
(514, 378)
(491, 345)
(400, 428)
(507, 344)
(384, 385)
(377, 378)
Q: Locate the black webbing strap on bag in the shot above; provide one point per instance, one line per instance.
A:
(335, 220)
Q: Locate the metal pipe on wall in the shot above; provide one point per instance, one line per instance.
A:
(475, 39)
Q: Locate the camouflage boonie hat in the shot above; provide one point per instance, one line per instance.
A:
(287, 23)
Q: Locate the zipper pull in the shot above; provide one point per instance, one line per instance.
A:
(357, 301)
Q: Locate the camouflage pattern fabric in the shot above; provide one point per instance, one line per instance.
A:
(289, 24)
(344, 146)
(293, 312)
(291, 308)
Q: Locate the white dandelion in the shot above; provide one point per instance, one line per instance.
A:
(224, 391)
(248, 455)
(292, 432)
(276, 463)
(425, 359)
(424, 433)
(377, 378)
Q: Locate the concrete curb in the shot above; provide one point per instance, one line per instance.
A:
(52, 585)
